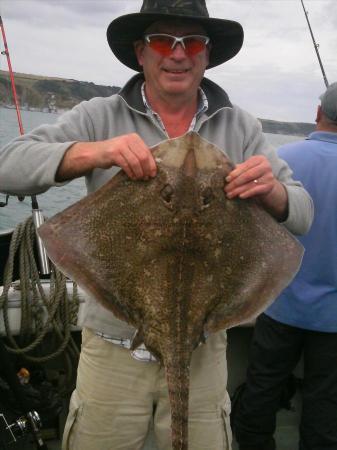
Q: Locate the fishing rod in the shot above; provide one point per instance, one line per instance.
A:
(36, 212)
(315, 46)
(15, 97)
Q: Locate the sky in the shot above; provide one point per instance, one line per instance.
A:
(276, 75)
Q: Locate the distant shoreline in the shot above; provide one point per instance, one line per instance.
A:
(57, 95)
(289, 128)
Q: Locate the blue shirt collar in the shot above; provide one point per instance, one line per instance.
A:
(325, 136)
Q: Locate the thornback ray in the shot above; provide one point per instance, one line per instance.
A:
(174, 257)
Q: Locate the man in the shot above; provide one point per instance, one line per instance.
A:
(303, 319)
(171, 46)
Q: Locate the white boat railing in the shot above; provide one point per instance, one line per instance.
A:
(14, 307)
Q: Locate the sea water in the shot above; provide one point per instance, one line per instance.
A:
(57, 198)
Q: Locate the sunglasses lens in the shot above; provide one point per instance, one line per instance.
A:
(163, 44)
(194, 45)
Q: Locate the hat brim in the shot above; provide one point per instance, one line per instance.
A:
(226, 36)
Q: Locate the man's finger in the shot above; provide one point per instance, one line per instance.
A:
(144, 157)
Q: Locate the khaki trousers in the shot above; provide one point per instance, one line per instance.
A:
(117, 397)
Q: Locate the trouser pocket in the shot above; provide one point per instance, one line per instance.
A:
(69, 434)
(226, 410)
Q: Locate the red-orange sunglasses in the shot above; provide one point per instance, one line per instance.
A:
(165, 43)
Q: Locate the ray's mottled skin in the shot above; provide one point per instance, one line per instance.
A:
(174, 257)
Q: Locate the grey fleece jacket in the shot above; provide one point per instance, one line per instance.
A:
(28, 164)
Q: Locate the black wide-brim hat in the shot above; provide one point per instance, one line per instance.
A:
(226, 35)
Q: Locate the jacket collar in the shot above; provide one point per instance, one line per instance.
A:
(216, 96)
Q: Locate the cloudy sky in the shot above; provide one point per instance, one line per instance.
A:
(276, 75)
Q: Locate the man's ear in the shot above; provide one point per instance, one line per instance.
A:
(318, 114)
(139, 50)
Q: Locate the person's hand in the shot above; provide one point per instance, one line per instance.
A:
(254, 178)
(129, 152)
(250, 178)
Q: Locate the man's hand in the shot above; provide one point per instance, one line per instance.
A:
(129, 152)
(255, 178)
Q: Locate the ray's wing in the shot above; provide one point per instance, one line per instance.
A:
(98, 241)
(257, 259)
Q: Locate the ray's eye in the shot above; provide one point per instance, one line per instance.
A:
(167, 193)
(207, 196)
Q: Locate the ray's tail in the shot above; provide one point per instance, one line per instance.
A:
(178, 378)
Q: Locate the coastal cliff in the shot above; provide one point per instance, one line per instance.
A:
(51, 94)
(56, 94)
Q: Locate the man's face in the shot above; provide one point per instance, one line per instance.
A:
(176, 73)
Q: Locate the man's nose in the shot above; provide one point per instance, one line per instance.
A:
(178, 51)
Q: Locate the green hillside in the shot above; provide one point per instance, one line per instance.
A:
(37, 92)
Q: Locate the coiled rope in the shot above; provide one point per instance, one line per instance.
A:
(40, 313)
